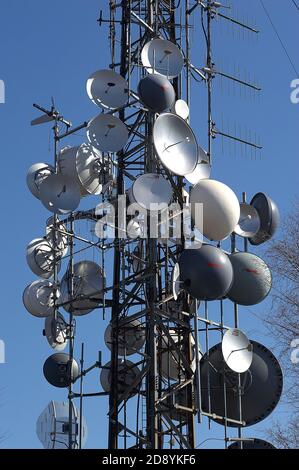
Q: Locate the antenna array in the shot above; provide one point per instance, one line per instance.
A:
(169, 262)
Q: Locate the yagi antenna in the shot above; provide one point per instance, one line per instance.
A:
(49, 115)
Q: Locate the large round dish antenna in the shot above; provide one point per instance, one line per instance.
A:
(38, 298)
(88, 284)
(107, 133)
(252, 279)
(206, 273)
(40, 258)
(151, 191)
(37, 173)
(59, 371)
(221, 209)
(86, 166)
(163, 57)
(156, 93)
(107, 89)
(60, 194)
(175, 144)
(249, 222)
(237, 350)
(52, 427)
(261, 386)
(131, 338)
(269, 218)
(56, 332)
(127, 375)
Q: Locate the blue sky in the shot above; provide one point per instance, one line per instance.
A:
(49, 49)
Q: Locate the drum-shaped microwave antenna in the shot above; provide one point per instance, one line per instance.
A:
(52, 427)
(176, 405)
(163, 57)
(202, 170)
(88, 284)
(252, 279)
(57, 238)
(237, 350)
(38, 298)
(181, 108)
(221, 209)
(37, 173)
(175, 281)
(107, 133)
(269, 218)
(40, 258)
(127, 375)
(151, 191)
(249, 222)
(59, 371)
(131, 337)
(175, 144)
(60, 194)
(156, 93)
(171, 363)
(261, 386)
(56, 332)
(86, 166)
(137, 264)
(135, 228)
(206, 273)
(107, 89)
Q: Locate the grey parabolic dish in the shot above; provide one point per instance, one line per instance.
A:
(261, 386)
(58, 370)
(156, 93)
(252, 279)
(207, 272)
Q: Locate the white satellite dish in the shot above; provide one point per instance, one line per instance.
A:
(163, 57)
(56, 332)
(107, 89)
(37, 173)
(175, 144)
(52, 427)
(219, 207)
(85, 165)
(88, 288)
(60, 194)
(249, 222)
(237, 350)
(131, 338)
(107, 133)
(127, 374)
(175, 281)
(181, 109)
(60, 240)
(38, 298)
(151, 191)
(40, 258)
(202, 169)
